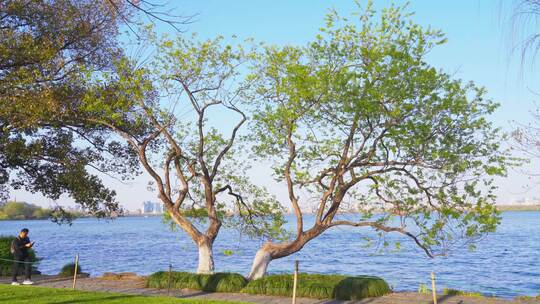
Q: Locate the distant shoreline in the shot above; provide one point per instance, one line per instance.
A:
(84, 217)
(518, 207)
(501, 208)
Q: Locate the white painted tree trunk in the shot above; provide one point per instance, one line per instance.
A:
(260, 264)
(206, 259)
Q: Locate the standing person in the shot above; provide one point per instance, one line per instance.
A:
(19, 248)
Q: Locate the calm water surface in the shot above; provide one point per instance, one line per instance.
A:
(505, 264)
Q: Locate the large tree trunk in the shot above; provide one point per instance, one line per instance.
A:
(271, 251)
(204, 242)
(206, 257)
(260, 264)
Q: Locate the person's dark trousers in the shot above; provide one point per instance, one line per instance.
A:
(20, 261)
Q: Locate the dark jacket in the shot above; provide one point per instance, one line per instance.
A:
(19, 246)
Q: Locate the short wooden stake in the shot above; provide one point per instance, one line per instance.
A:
(75, 272)
(295, 280)
(433, 288)
(169, 286)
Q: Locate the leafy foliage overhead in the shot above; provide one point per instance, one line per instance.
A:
(359, 117)
(44, 60)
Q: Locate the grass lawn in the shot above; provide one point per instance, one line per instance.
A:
(43, 295)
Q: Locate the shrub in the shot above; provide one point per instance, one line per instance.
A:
(320, 286)
(217, 282)
(68, 270)
(5, 254)
(423, 289)
(456, 292)
(528, 298)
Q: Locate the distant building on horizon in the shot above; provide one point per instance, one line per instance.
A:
(152, 208)
(528, 201)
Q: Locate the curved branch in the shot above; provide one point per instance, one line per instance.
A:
(230, 142)
(379, 226)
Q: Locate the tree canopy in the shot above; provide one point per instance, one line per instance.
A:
(13, 210)
(43, 63)
(360, 117)
(165, 111)
(356, 117)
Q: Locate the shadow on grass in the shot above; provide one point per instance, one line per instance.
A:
(223, 282)
(214, 280)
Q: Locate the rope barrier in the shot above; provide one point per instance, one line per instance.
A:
(17, 261)
(76, 272)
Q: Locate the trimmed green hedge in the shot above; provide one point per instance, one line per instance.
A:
(217, 282)
(320, 286)
(5, 254)
(309, 285)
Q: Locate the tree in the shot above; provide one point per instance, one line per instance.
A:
(44, 60)
(24, 211)
(526, 137)
(163, 110)
(358, 116)
(525, 15)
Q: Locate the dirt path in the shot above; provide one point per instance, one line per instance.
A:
(136, 286)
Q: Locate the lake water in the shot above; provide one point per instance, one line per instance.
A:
(505, 264)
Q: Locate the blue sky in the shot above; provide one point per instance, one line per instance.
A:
(480, 39)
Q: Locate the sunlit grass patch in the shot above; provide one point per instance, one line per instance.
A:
(44, 295)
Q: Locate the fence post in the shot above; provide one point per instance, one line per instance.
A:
(433, 288)
(169, 285)
(295, 280)
(75, 272)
